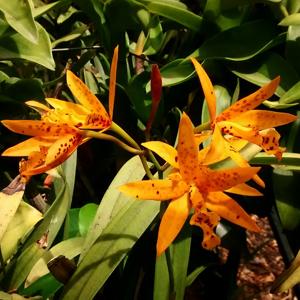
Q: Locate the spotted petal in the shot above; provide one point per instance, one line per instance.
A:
(228, 209)
(207, 87)
(58, 152)
(187, 150)
(207, 221)
(244, 189)
(38, 128)
(172, 221)
(220, 180)
(250, 101)
(67, 106)
(86, 98)
(263, 119)
(165, 151)
(29, 146)
(163, 189)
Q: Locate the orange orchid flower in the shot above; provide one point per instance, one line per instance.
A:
(193, 186)
(58, 134)
(242, 121)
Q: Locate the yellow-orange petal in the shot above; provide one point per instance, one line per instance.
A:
(38, 128)
(39, 107)
(112, 82)
(29, 146)
(85, 97)
(220, 147)
(250, 101)
(160, 189)
(57, 153)
(35, 159)
(263, 119)
(203, 136)
(207, 221)
(228, 209)
(220, 180)
(187, 150)
(207, 87)
(67, 107)
(268, 139)
(171, 223)
(165, 151)
(244, 189)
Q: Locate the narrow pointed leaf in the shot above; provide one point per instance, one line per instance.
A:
(112, 82)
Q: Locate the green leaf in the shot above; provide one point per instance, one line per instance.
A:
(175, 11)
(161, 280)
(241, 42)
(289, 278)
(19, 16)
(16, 46)
(113, 200)
(192, 276)
(86, 216)
(293, 6)
(292, 95)
(69, 248)
(293, 19)
(263, 70)
(45, 8)
(180, 260)
(49, 225)
(19, 226)
(125, 221)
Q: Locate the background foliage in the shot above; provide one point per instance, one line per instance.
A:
(242, 44)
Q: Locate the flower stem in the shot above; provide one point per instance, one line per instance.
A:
(202, 127)
(121, 132)
(107, 137)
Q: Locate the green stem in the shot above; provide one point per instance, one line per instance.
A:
(170, 269)
(107, 137)
(121, 132)
(283, 10)
(202, 127)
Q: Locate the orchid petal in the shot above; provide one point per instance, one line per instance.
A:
(67, 106)
(38, 128)
(207, 221)
(220, 180)
(250, 101)
(203, 136)
(57, 153)
(112, 82)
(207, 87)
(35, 159)
(220, 147)
(187, 150)
(161, 190)
(165, 151)
(263, 119)
(228, 209)
(244, 189)
(86, 98)
(39, 107)
(171, 223)
(29, 146)
(268, 139)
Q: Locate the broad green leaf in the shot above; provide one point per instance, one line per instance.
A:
(53, 219)
(293, 19)
(174, 11)
(20, 225)
(292, 46)
(69, 248)
(241, 42)
(161, 280)
(78, 32)
(19, 16)
(16, 46)
(13, 296)
(110, 248)
(293, 6)
(45, 8)
(278, 105)
(180, 259)
(86, 216)
(289, 278)
(113, 201)
(286, 186)
(263, 70)
(9, 203)
(292, 95)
